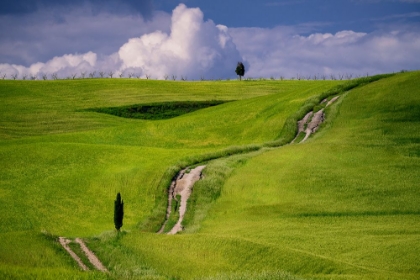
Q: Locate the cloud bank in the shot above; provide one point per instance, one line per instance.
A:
(281, 52)
(183, 44)
(50, 32)
(193, 48)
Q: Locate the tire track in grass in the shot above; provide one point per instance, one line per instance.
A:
(93, 259)
(91, 256)
(65, 243)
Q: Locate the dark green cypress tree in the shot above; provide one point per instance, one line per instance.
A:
(118, 212)
(240, 70)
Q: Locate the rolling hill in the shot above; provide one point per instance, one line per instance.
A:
(344, 204)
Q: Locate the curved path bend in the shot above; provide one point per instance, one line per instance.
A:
(312, 121)
(181, 186)
(186, 178)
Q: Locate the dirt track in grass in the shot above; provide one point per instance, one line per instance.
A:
(311, 122)
(89, 254)
(182, 185)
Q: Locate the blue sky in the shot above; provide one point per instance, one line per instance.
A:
(199, 38)
(323, 15)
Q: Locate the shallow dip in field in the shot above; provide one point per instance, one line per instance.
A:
(157, 111)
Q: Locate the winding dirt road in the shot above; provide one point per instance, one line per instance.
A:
(312, 121)
(181, 186)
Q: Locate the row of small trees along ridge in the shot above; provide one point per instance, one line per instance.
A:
(240, 71)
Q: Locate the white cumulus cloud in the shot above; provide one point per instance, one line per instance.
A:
(183, 44)
(62, 66)
(281, 52)
(193, 48)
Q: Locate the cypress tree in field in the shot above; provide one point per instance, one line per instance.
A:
(118, 212)
(240, 70)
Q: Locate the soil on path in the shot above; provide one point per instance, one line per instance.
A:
(312, 121)
(313, 126)
(181, 186)
(302, 123)
(89, 254)
(65, 243)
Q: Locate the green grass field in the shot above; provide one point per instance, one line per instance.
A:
(344, 204)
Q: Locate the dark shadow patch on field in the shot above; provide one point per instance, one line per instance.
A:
(157, 111)
(358, 214)
(403, 113)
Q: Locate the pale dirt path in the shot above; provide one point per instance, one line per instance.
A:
(65, 243)
(313, 126)
(301, 124)
(317, 119)
(332, 101)
(183, 187)
(170, 198)
(91, 256)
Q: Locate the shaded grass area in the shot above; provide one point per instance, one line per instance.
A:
(157, 111)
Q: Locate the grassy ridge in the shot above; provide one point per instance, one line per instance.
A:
(349, 195)
(51, 107)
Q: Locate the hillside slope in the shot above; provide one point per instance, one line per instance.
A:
(343, 205)
(61, 167)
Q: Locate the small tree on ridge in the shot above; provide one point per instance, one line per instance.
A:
(240, 70)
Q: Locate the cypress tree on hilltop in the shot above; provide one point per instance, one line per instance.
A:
(118, 212)
(240, 70)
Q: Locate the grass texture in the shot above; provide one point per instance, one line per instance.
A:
(343, 205)
(62, 166)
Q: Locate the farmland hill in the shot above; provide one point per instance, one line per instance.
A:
(344, 204)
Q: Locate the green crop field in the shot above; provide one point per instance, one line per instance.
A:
(343, 205)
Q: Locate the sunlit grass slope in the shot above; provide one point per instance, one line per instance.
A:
(343, 205)
(61, 167)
